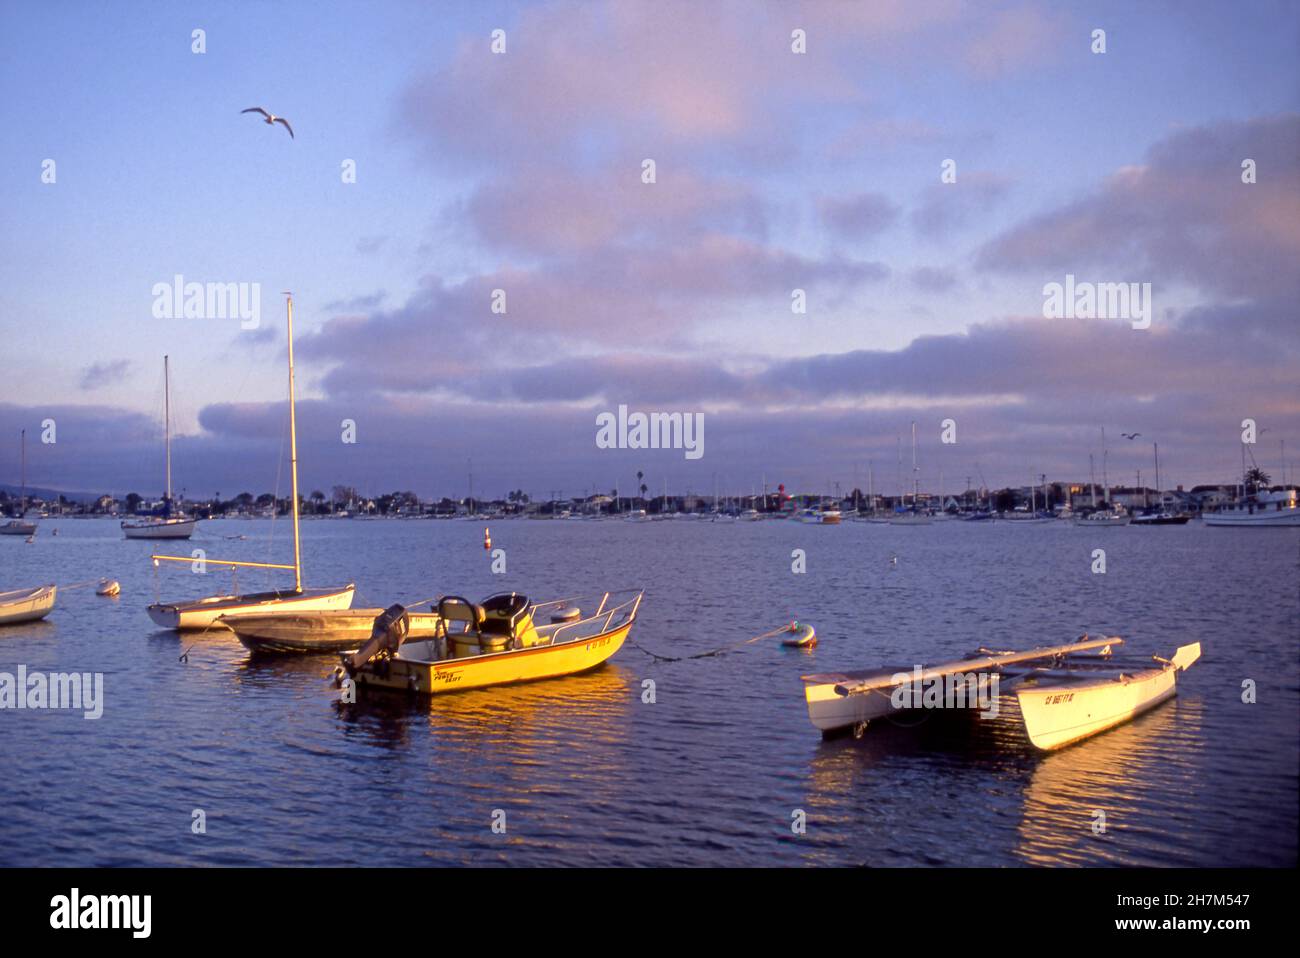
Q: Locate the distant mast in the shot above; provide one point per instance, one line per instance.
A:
(1105, 476)
(167, 433)
(293, 456)
(916, 478)
(22, 503)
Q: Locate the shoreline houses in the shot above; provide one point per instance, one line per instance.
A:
(1080, 497)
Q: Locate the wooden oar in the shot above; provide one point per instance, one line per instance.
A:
(972, 665)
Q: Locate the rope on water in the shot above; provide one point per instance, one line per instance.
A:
(105, 587)
(721, 650)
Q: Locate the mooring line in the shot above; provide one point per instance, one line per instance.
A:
(721, 650)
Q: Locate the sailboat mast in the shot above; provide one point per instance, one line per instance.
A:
(916, 482)
(1105, 476)
(22, 505)
(167, 430)
(293, 457)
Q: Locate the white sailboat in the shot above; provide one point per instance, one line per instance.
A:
(202, 613)
(21, 526)
(166, 526)
(913, 516)
(1113, 515)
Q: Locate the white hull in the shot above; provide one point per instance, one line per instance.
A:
(1058, 705)
(18, 527)
(159, 529)
(202, 613)
(829, 711)
(1107, 522)
(26, 605)
(1287, 518)
(1058, 715)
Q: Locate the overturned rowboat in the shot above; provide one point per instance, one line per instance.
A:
(504, 639)
(1065, 692)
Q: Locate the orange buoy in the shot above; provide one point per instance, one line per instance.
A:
(487, 538)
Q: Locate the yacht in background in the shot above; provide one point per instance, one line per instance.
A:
(165, 526)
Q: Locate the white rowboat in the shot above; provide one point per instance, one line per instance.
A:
(26, 605)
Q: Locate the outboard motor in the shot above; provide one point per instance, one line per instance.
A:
(386, 635)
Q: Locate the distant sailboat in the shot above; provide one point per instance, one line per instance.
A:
(20, 526)
(1113, 515)
(201, 613)
(913, 516)
(166, 526)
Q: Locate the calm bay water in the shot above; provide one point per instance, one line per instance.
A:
(711, 772)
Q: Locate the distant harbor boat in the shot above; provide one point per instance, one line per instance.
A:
(20, 526)
(1162, 518)
(165, 526)
(912, 515)
(1259, 510)
(1104, 518)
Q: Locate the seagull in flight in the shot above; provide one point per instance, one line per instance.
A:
(1130, 435)
(271, 118)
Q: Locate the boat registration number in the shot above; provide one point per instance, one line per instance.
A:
(1059, 698)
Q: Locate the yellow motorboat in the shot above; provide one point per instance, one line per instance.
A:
(506, 638)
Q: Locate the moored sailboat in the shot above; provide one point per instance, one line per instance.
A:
(205, 612)
(21, 526)
(165, 526)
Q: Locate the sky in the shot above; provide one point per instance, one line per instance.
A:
(523, 171)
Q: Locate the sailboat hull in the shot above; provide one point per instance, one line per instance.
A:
(204, 613)
(160, 529)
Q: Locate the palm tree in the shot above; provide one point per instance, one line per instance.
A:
(1256, 478)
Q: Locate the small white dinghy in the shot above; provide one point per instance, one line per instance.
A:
(1064, 694)
(26, 605)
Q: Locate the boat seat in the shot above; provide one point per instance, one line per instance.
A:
(507, 616)
(452, 608)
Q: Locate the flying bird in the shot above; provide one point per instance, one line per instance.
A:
(271, 118)
(1130, 435)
